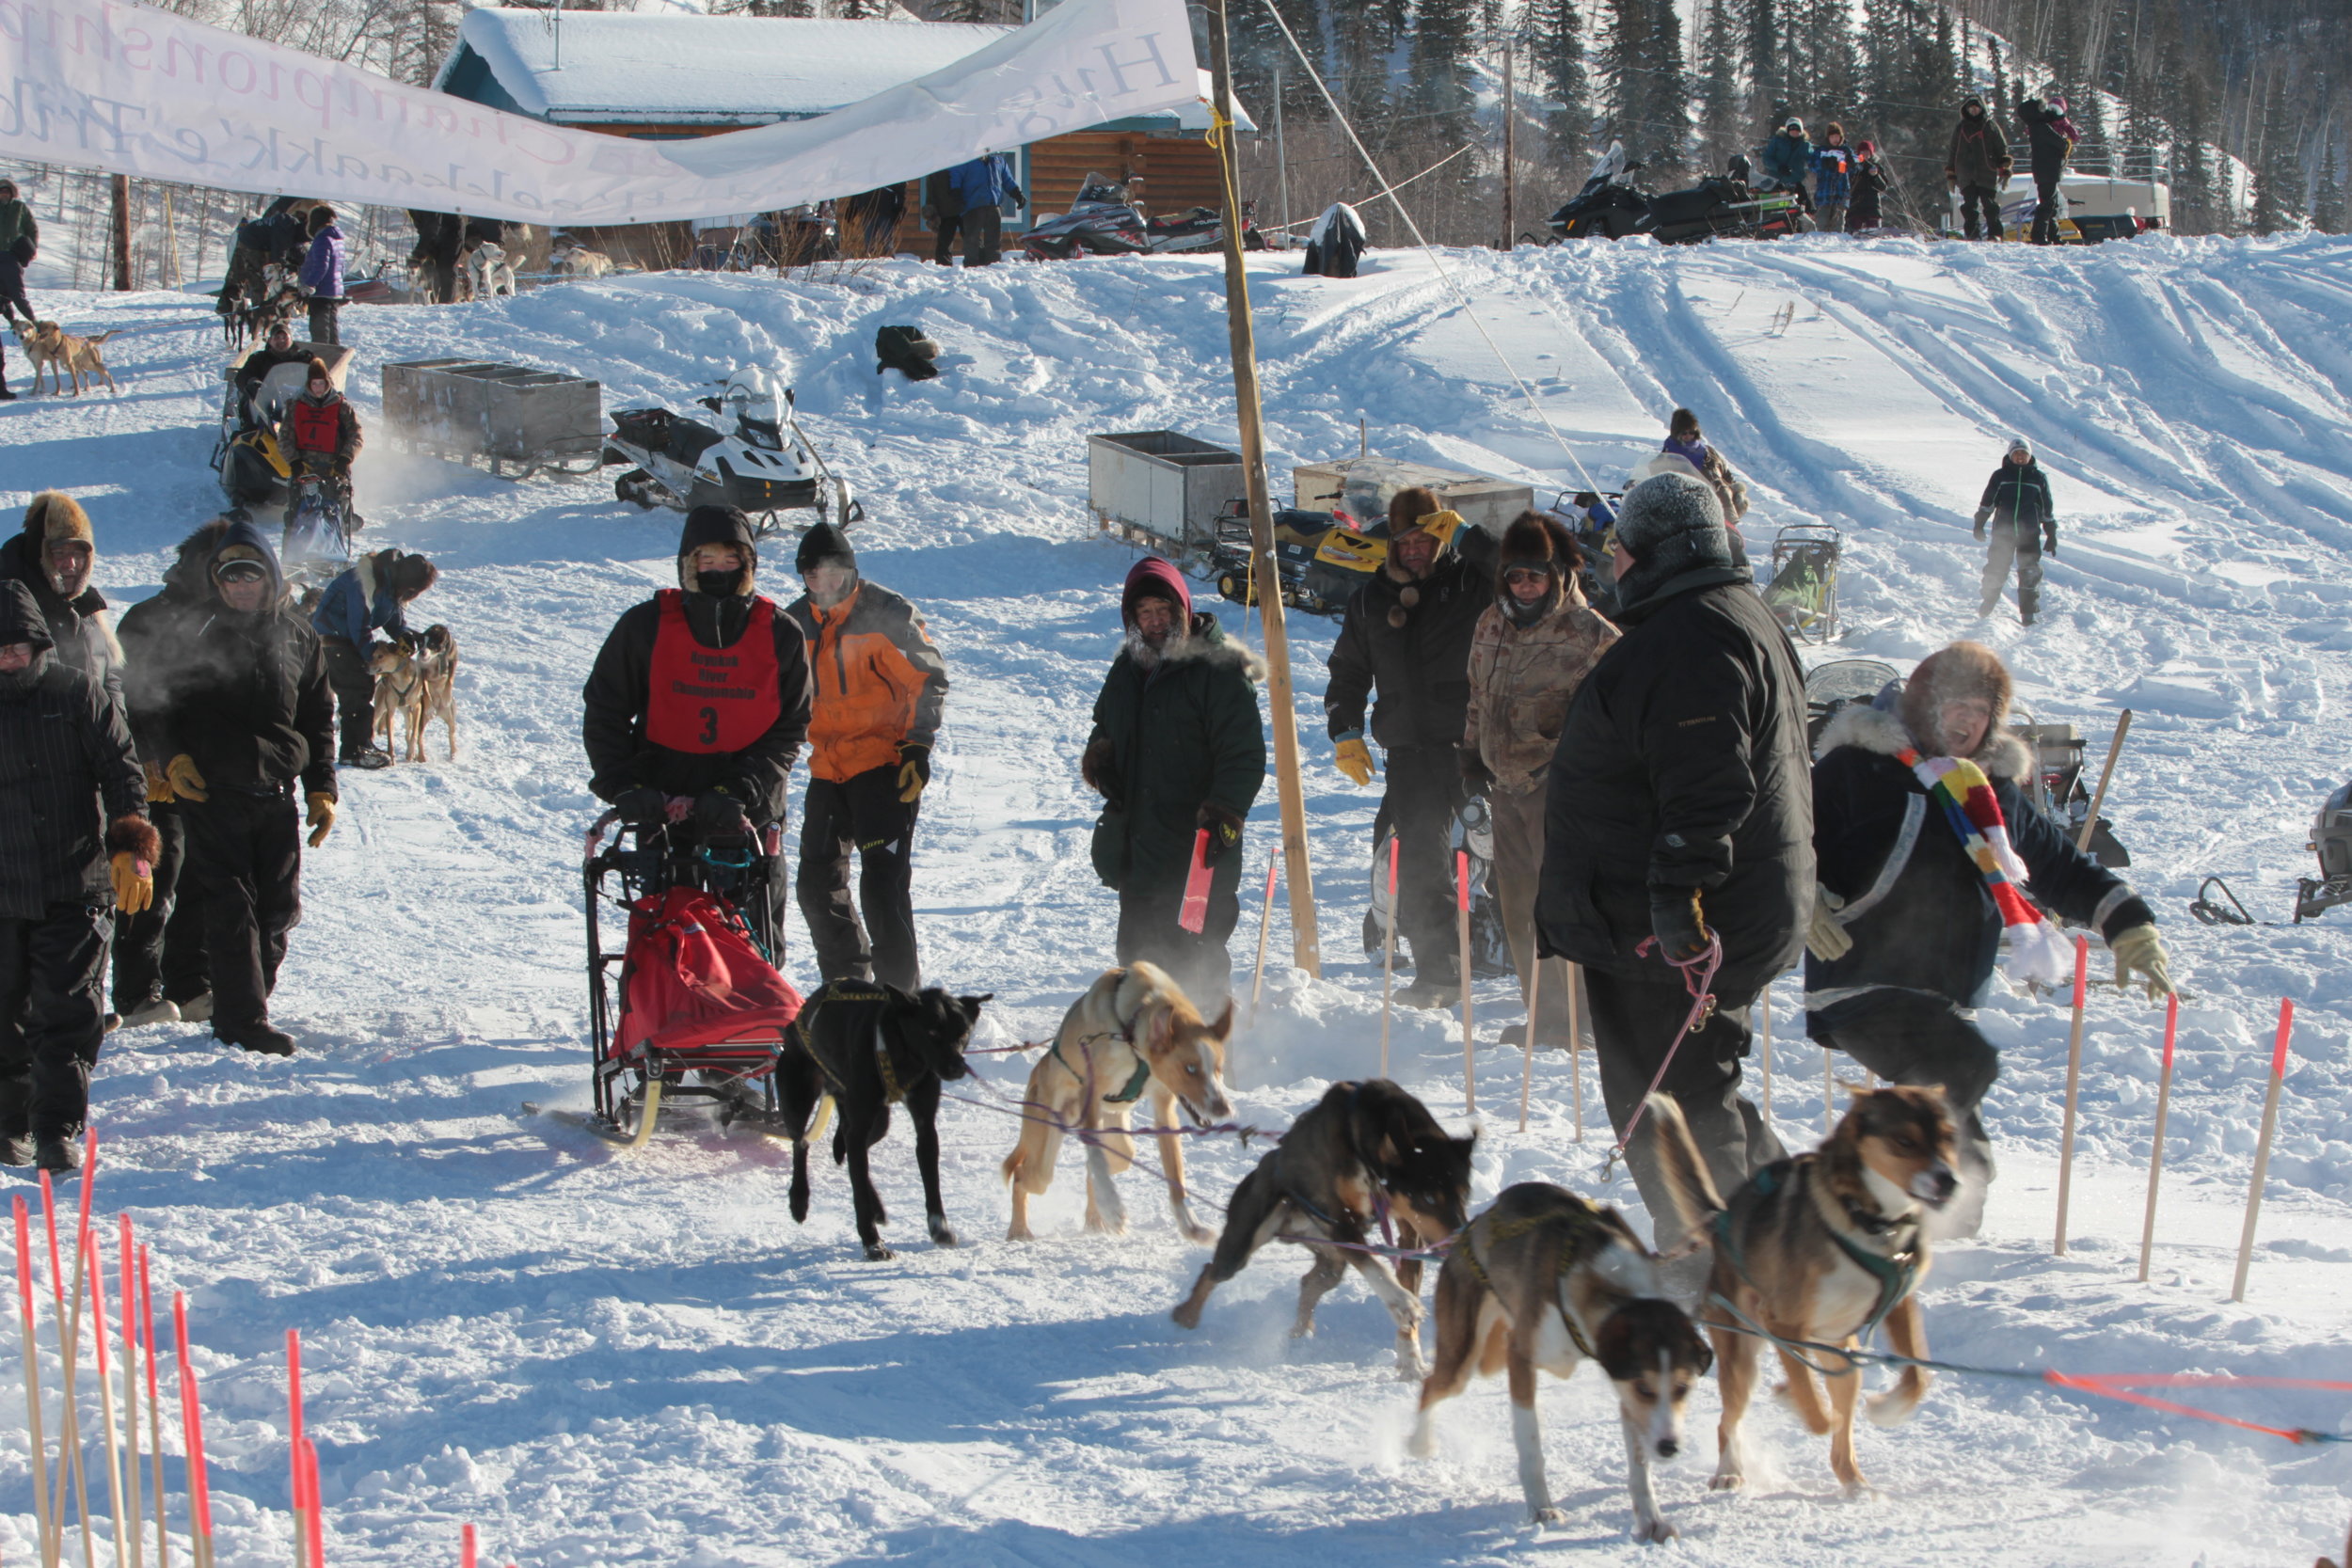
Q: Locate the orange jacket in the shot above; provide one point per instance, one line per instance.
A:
(879, 681)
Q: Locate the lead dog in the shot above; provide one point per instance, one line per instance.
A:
(419, 684)
(1133, 1033)
(1824, 1247)
(50, 347)
(1361, 1153)
(1546, 1281)
(871, 1047)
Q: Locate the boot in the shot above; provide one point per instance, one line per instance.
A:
(197, 1010)
(261, 1038)
(156, 1010)
(58, 1153)
(1435, 986)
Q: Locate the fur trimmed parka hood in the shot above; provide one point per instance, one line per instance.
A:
(2001, 756)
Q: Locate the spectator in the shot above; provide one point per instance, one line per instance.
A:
(373, 595)
(1178, 747)
(74, 845)
(54, 557)
(1978, 167)
(1407, 633)
(248, 718)
(1786, 157)
(2016, 507)
(322, 276)
(985, 184)
(1870, 181)
(1535, 645)
(869, 221)
(1681, 813)
(879, 688)
(19, 242)
(2050, 140)
(1684, 441)
(1832, 180)
(943, 208)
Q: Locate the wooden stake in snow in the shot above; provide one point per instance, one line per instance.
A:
(1828, 1094)
(2074, 1086)
(1768, 1055)
(2164, 1108)
(94, 1263)
(1388, 960)
(154, 1410)
(127, 1269)
(1266, 923)
(1193, 913)
(192, 1437)
(2262, 1148)
(1576, 1049)
(2115, 747)
(1470, 1041)
(32, 1383)
(293, 1449)
(1527, 1056)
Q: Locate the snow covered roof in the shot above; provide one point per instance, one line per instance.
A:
(620, 67)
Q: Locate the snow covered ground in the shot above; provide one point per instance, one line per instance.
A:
(614, 1358)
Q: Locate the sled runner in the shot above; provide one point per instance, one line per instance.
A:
(1803, 593)
(693, 1006)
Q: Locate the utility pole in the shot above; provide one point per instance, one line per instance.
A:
(1281, 156)
(1264, 576)
(122, 231)
(1509, 148)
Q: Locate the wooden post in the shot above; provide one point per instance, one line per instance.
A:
(2074, 1085)
(1281, 704)
(1510, 148)
(1265, 920)
(293, 1449)
(1470, 1039)
(32, 1384)
(1576, 1048)
(1767, 1056)
(154, 1410)
(1527, 1062)
(2156, 1154)
(192, 1430)
(2262, 1148)
(1388, 960)
(2090, 823)
(123, 232)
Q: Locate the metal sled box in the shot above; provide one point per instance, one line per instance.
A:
(1161, 487)
(476, 410)
(1360, 488)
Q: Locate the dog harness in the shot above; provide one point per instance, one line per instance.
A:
(1582, 1220)
(1896, 1273)
(712, 700)
(1126, 1036)
(894, 1092)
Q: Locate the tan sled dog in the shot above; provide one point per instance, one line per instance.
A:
(422, 686)
(1133, 1033)
(50, 347)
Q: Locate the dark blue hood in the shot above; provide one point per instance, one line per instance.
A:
(247, 539)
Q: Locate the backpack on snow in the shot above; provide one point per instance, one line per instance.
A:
(906, 350)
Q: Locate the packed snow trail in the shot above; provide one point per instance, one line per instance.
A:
(605, 1359)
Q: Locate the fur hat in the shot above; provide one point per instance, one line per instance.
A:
(52, 516)
(1155, 577)
(1680, 420)
(824, 542)
(1408, 506)
(1833, 129)
(1962, 670)
(1535, 540)
(1670, 523)
(717, 524)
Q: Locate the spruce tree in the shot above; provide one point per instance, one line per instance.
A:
(1553, 34)
(2328, 214)
(2279, 172)
(1722, 109)
(1440, 84)
(1766, 22)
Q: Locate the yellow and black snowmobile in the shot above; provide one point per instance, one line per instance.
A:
(1324, 557)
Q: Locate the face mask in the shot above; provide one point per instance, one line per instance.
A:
(719, 585)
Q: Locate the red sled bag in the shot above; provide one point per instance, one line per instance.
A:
(694, 978)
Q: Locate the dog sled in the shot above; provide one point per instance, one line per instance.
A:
(1472, 832)
(692, 1006)
(253, 470)
(1802, 594)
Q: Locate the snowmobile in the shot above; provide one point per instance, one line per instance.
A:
(1612, 207)
(1102, 221)
(253, 471)
(2331, 841)
(1324, 557)
(1474, 834)
(765, 465)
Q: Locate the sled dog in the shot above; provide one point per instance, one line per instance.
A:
(51, 348)
(420, 686)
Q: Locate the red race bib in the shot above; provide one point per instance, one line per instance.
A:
(712, 699)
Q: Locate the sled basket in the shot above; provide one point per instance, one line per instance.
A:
(1802, 594)
(694, 986)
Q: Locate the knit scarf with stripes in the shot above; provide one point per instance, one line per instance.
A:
(2037, 953)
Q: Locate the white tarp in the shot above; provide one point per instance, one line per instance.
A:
(135, 90)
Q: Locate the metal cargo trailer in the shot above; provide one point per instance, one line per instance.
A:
(517, 420)
(1160, 488)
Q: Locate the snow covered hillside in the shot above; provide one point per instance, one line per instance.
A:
(608, 1358)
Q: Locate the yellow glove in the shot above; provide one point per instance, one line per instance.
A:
(322, 816)
(186, 783)
(158, 787)
(1825, 939)
(2139, 949)
(915, 771)
(135, 882)
(1355, 760)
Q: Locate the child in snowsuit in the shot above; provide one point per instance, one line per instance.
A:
(1870, 182)
(2016, 507)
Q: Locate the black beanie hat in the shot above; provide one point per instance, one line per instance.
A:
(825, 542)
(716, 525)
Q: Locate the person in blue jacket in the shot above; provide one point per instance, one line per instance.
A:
(985, 184)
(373, 595)
(1832, 180)
(323, 274)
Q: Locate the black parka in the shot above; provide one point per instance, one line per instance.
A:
(1182, 734)
(77, 625)
(153, 633)
(2049, 147)
(66, 772)
(1419, 669)
(1682, 765)
(1933, 926)
(612, 718)
(2019, 496)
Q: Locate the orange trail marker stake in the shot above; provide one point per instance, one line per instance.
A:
(1470, 1041)
(155, 1404)
(315, 1521)
(1576, 1050)
(1193, 913)
(32, 1382)
(1266, 924)
(127, 1270)
(2074, 1086)
(1527, 1056)
(294, 1447)
(70, 1337)
(466, 1547)
(1388, 960)
(2155, 1155)
(95, 1261)
(2262, 1149)
(192, 1427)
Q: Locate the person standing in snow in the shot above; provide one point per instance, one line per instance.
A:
(1680, 815)
(2050, 137)
(2016, 507)
(322, 276)
(699, 701)
(1832, 180)
(1906, 923)
(1869, 184)
(985, 184)
(943, 208)
(880, 686)
(74, 846)
(248, 718)
(372, 595)
(1685, 440)
(1406, 634)
(1978, 166)
(1177, 748)
(1534, 646)
(160, 975)
(19, 242)
(1786, 157)
(54, 557)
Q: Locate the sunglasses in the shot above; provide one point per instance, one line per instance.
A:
(1527, 574)
(240, 571)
